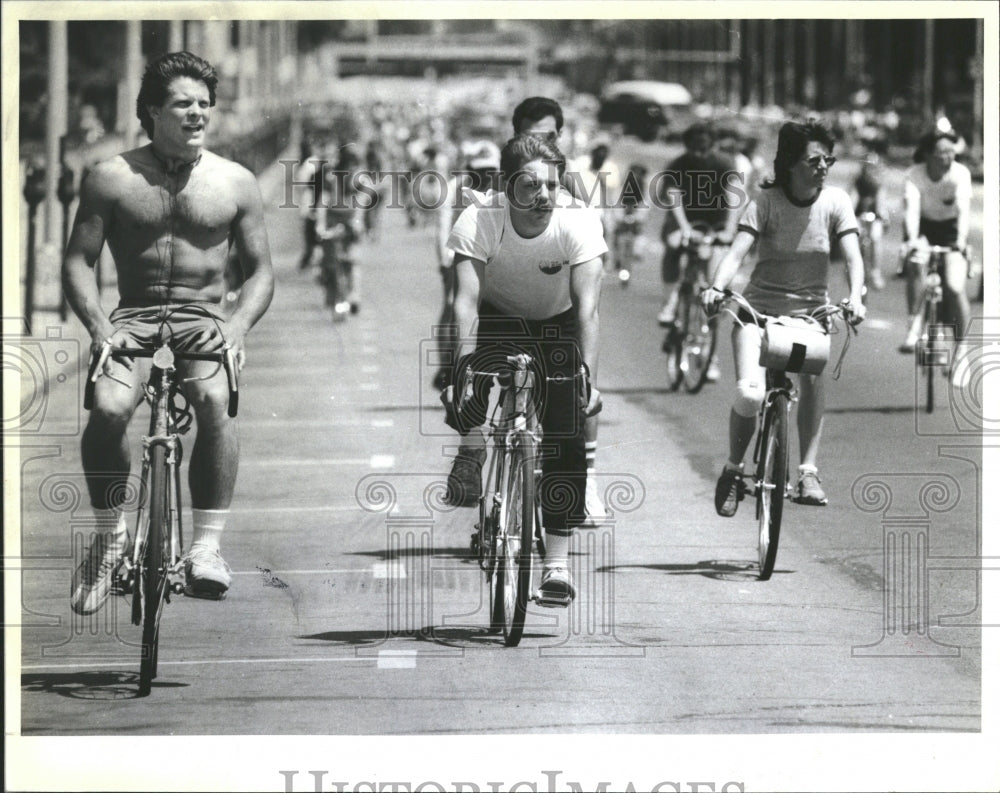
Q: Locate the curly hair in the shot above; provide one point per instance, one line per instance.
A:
(161, 72)
(929, 140)
(793, 138)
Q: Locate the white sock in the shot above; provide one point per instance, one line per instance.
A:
(733, 466)
(208, 525)
(808, 469)
(557, 547)
(110, 524)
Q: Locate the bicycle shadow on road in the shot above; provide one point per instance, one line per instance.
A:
(108, 685)
(719, 569)
(462, 553)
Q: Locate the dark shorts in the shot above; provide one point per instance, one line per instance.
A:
(552, 344)
(179, 325)
(939, 232)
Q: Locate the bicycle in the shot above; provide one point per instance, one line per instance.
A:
(153, 568)
(626, 233)
(337, 268)
(795, 348)
(691, 339)
(869, 251)
(510, 524)
(933, 350)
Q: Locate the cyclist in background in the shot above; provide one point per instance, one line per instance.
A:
(529, 273)
(870, 197)
(936, 199)
(169, 212)
(339, 227)
(628, 229)
(694, 189)
(796, 220)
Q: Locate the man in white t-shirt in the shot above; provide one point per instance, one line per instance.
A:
(937, 200)
(528, 265)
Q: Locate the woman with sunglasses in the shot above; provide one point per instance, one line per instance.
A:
(796, 219)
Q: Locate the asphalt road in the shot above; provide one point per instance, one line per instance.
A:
(355, 608)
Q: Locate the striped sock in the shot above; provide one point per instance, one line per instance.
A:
(591, 450)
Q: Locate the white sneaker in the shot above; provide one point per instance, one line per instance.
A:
(713, 374)
(557, 589)
(624, 276)
(207, 573)
(94, 576)
(592, 504)
(667, 314)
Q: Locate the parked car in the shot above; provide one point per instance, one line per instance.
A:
(644, 108)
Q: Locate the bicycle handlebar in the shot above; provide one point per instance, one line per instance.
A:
(521, 362)
(820, 313)
(226, 359)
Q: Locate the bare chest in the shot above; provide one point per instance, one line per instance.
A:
(191, 209)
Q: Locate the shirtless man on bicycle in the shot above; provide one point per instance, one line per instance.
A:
(529, 272)
(169, 211)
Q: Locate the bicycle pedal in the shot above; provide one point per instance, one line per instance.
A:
(550, 601)
(204, 592)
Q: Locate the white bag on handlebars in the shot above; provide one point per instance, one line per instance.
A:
(795, 344)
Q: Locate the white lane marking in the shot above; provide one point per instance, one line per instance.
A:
(303, 572)
(397, 659)
(279, 510)
(370, 369)
(383, 422)
(369, 349)
(393, 569)
(308, 461)
(375, 461)
(370, 386)
(161, 662)
(316, 423)
(877, 324)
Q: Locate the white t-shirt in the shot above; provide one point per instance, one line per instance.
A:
(795, 241)
(527, 277)
(943, 199)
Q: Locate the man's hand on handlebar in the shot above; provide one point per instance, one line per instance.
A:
(101, 347)
(224, 336)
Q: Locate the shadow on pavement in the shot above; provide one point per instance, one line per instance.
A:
(89, 685)
(720, 569)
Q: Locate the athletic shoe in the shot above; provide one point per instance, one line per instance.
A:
(728, 492)
(207, 573)
(95, 575)
(908, 346)
(808, 490)
(713, 373)
(668, 314)
(465, 482)
(624, 276)
(556, 590)
(594, 507)
(442, 378)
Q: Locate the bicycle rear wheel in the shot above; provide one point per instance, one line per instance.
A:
(772, 475)
(698, 346)
(154, 564)
(516, 538)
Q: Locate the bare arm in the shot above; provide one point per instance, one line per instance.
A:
(851, 248)
(731, 262)
(911, 211)
(585, 290)
(90, 229)
(254, 253)
(469, 274)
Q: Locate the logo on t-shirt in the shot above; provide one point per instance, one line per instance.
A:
(551, 267)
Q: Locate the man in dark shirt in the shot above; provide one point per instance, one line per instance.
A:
(702, 188)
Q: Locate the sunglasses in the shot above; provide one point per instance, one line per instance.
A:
(815, 161)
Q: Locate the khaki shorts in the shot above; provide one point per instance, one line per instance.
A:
(179, 325)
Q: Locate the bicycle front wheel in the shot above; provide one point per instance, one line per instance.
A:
(697, 346)
(673, 344)
(772, 475)
(154, 564)
(517, 534)
(932, 341)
